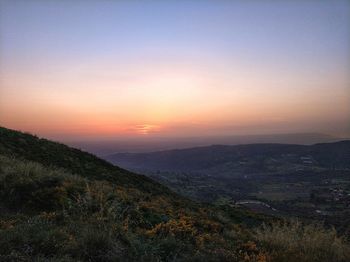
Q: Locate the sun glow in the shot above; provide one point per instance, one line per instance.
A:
(147, 129)
(210, 72)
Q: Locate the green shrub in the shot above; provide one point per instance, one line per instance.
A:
(96, 244)
(33, 238)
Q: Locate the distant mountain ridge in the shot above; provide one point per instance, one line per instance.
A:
(200, 158)
(149, 144)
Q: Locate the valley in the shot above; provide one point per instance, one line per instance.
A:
(311, 182)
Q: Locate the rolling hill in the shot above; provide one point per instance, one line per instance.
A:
(335, 155)
(310, 181)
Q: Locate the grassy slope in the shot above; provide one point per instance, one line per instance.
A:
(46, 152)
(61, 204)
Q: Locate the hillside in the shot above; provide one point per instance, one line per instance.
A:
(48, 153)
(61, 204)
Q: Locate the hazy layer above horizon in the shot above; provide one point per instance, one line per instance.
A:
(105, 147)
(75, 70)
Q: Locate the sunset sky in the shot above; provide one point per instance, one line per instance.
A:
(92, 69)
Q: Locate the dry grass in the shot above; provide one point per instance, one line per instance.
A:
(293, 241)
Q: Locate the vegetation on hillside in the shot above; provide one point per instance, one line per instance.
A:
(48, 213)
(51, 210)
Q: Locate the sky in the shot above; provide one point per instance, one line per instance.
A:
(114, 69)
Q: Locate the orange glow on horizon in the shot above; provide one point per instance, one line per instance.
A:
(174, 69)
(170, 99)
